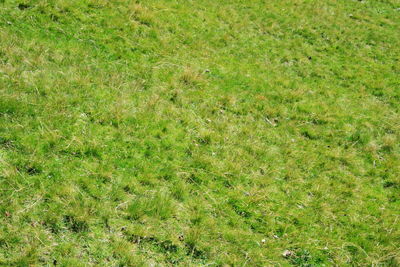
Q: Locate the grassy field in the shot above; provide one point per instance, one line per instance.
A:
(200, 133)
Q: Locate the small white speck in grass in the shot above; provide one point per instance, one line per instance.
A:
(287, 253)
(181, 238)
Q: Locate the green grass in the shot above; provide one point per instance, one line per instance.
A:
(199, 133)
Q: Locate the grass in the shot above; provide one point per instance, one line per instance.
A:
(199, 133)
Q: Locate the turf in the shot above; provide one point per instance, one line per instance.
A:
(200, 133)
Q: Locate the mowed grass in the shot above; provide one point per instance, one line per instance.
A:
(199, 133)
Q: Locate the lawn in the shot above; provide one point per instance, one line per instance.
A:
(200, 133)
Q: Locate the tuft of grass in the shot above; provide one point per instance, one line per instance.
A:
(141, 14)
(158, 205)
